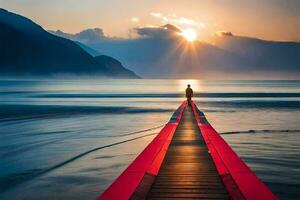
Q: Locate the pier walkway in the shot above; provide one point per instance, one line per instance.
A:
(188, 159)
(188, 170)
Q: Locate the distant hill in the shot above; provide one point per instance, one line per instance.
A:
(28, 50)
(272, 55)
(162, 52)
(114, 65)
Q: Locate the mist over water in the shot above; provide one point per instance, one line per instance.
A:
(72, 138)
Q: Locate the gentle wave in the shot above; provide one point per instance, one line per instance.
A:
(161, 95)
(44, 143)
(135, 132)
(27, 112)
(23, 112)
(7, 182)
(263, 104)
(261, 131)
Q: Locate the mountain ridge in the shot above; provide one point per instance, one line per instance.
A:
(28, 50)
(157, 52)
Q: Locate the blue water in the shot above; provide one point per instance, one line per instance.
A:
(63, 139)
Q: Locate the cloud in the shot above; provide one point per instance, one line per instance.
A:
(135, 19)
(177, 20)
(158, 15)
(85, 36)
(165, 31)
(224, 33)
(95, 35)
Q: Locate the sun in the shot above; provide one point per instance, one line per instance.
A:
(190, 35)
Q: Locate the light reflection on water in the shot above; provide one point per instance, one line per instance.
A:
(38, 131)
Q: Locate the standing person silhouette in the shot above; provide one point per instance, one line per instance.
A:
(189, 93)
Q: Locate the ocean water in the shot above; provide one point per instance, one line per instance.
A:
(63, 139)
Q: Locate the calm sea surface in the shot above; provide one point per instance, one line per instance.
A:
(58, 138)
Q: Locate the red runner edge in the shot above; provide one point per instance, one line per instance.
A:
(147, 162)
(239, 180)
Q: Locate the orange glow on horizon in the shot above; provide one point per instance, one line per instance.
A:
(195, 84)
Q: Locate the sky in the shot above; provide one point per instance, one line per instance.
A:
(266, 19)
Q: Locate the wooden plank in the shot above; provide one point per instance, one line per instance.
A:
(188, 171)
(190, 195)
(189, 190)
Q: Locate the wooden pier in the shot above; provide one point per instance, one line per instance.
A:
(188, 170)
(188, 159)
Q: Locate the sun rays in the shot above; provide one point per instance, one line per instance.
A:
(189, 34)
(185, 51)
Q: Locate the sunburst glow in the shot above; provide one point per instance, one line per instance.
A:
(190, 35)
(195, 84)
